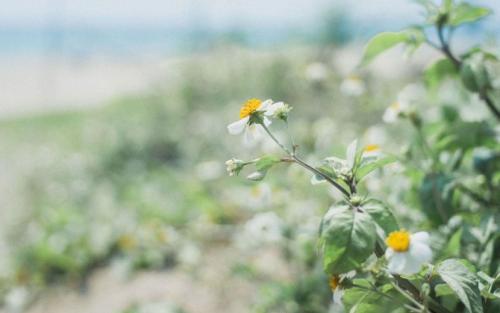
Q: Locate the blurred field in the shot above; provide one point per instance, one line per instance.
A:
(127, 200)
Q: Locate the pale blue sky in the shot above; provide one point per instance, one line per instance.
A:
(216, 13)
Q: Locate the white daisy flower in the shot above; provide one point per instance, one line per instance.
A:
(316, 72)
(371, 151)
(353, 86)
(335, 283)
(252, 130)
(406, 100)
(278, 110)
(407, 252)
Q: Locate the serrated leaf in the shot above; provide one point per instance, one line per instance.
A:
(466, 13)
(463, 283)
(366, 169)
(380, 43)
(347, 237)
(382, 215)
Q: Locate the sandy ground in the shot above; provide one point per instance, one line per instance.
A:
(211, 289)
(37, 84)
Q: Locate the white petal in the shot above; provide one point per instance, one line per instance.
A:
(249, 135)
(411, 267)
(420, 252)
(337, 296)
(389, 253)
(238, 126)
(397, 263)
(390, 115)
(422, 237)
(265, 105)
(351, 153)
(267, 122)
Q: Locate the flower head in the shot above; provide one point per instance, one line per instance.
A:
(337, 284)
(251, 117)
(352, 86)
(371, 151)
(234, 166)
(407, 252)
(279, 110)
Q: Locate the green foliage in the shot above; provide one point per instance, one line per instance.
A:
(466, 13)
(347, 239)
(382, 215)
(382, 42)
(438, 71)
(463, 282)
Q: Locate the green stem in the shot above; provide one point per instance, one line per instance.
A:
(302, 163)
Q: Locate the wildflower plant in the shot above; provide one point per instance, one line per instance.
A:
(374, 262)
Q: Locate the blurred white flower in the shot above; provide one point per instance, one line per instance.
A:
(316, 72)
(352, 86)
(371, 151)
(278, 110)
(208, 170)
(259, 196)
(265, 227)
(393, 112)
(407, 252)
(405, 102)
(189, 254)
(336, 286)
(251, 130)
(16, 299)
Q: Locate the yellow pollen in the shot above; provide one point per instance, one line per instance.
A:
(334, 282)
(371, 148)
(249, 107)
(399, 240)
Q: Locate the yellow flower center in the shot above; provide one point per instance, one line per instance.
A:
(399, 240)
(371, 148)
(249, 107)
(395, 105)
(334, 282)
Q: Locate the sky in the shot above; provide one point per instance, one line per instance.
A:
(215, 13)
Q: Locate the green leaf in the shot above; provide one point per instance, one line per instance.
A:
(466, 13)
(366, 169)
(347, 237)
(438, 71)
(382, 42)
(443, 290)
(266, 162)
(357, 300)
(453, 246)
(382, 215)
(463, 283)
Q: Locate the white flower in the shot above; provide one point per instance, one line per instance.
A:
(316, 72)
(407, 252)
(405, 102)
(352, 86)
(265, 227)
(336, 286)
(252, 130)
(278, 110)
(233, 166)
(371, 151)
(17, 299)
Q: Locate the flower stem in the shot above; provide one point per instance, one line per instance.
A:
(296, 159)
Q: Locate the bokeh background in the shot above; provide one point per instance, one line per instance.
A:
(113, 190)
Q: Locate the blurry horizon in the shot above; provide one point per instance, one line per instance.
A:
(115, 27)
